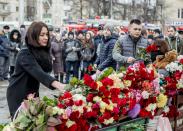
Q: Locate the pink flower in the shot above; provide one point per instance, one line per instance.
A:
(68, 111)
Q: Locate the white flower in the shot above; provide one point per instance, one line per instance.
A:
(97, 99)
(180, 57)
(69, 123)
(145, 95)
(180, 83)
(173, 66)
(103, 105)
(78, 97)
(57, 110)
(107, 122)
(151, 107)
(166, 109)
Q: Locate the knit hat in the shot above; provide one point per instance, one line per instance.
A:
(79, 32)
(50, 28)
(71, 33)
(6, 27)
(109, 27)
(22, 26)
(100, 27)
(157, 31)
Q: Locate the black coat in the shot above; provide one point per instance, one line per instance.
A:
(25, 80)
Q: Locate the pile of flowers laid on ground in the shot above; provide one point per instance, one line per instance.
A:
(91, 104)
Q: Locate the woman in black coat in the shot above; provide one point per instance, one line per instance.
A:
(32, 67)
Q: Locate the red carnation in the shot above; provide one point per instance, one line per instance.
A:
(73, 128)
(94, 128)
(115, 99)
(151, 48)
(107, 115)
(93, 85)
(90, 68)
(106, 100)
(91, 114)
(66, 95)
(115, 110)
(74, 116)
(60, 105)
(102, 89)
(132, 103)
(122, 102)
(101, 119)
(124, 111)
(69, 102)
(78, 103)
(95, 106)
(177, 75)
(107, 93)
(107, 81)
(89, 97)
(115, 91)
(181, 61)
(116, 117)
(87, 79)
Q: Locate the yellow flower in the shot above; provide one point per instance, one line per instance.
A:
(109, 107)
(99, 84)
(97, 99)
(127, 83)
(109, 121)
(161, 100)
(103, 105)
(102, 110)
(69, 123)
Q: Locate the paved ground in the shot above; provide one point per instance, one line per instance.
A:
(4, 112)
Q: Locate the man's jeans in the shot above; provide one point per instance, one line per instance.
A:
(75, 70)
(4, 67)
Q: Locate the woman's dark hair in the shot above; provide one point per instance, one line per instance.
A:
(18, 40)
(162, 45)
(33, 32)
(40, 53)
(162, 49)
(90, 42)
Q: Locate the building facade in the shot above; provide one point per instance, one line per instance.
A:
(174, 12)
(49, 11)
(9, 10)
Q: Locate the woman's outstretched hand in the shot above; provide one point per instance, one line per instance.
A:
(59, 86)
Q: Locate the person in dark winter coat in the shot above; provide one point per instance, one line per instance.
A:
(87, 53)
(5, 49)
(15, 43)
(72, 50)
(98, 39)
(126, 49)
(32, 67)
(105, 59)
(57, 47)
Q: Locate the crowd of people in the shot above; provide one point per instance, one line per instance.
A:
(72, 52)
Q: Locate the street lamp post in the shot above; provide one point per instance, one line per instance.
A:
(111, 11)
(21, 12)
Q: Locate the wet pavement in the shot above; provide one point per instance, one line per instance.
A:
(4, 111)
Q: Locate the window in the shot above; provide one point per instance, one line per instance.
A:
(178, 13)
(17, 9)
(181, 13)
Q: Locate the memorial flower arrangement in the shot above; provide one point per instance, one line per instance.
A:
(90, 104)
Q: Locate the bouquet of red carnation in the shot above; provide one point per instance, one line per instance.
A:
(151, 48)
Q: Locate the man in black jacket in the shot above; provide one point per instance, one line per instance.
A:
(105, 59)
